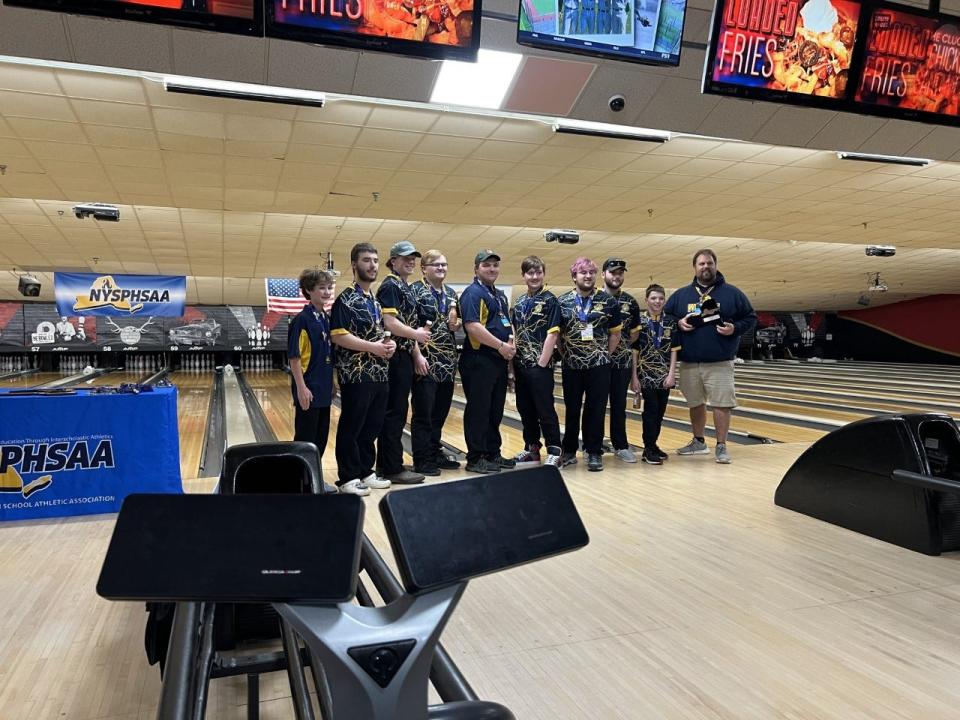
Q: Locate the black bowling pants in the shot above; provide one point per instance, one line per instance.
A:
(619, 382)
(586, 389)
(484, 378)
(654, 406)
(312, 425)
(431, 404)
(534, 389)
(389, 447)
(362, 406)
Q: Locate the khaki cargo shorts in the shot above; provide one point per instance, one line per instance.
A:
(708, 383)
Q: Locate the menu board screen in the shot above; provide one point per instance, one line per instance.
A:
(911, 63)
(784, 48)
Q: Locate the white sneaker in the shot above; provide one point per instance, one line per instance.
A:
(553, 455)
(376, 482)
(694, 447)
(627, 455)
(354, 487)
(723, 457)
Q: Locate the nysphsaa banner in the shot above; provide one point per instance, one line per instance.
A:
(80, 294)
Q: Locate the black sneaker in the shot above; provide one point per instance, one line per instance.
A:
(502, 462)
(651, 457)
(567, 458)
(482, 466)
(446, 462)
(660, 453)
(427, 469)
(594, 462)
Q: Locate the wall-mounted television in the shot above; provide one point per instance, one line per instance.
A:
(794, 51)
(644, 31)
(911, 65)
(235, 16)
(439, 29)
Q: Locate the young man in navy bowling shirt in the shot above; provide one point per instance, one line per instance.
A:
(310, 354)
(483, 364)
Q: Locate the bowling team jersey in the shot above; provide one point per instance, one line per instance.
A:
(658, 337)
(534, 318)
(630, 315)
(359, 314)
(434, 306)
(585, 327)
(489, 307)
(397, 298)
(309, 339)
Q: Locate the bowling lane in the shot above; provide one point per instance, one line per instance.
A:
(27, 381)
(111, 378)
(193, 406)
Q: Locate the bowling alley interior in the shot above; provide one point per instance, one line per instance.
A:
(168, 170)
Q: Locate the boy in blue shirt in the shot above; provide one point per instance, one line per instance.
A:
(310, 354)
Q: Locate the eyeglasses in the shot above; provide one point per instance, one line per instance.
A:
(437, 265)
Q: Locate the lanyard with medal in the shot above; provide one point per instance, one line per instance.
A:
(371, 304)
(324, 321)
(657, 331)
(584, 305)
(522, 310)
(441, 299)
(504, 320)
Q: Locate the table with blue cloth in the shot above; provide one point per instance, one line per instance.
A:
(83, 453)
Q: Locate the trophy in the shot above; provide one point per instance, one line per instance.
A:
(708, 311)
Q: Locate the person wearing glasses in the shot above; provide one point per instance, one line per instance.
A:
(433, 383)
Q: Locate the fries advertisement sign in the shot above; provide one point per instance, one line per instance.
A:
(802, 47)
(911, 62)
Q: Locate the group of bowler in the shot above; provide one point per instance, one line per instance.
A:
(401, 344)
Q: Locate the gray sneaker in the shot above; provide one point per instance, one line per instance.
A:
(694, 447)
(723, 457)
(627, 455)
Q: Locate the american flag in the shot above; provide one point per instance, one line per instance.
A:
(283, 296)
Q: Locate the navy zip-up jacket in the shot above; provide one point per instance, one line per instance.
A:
(705, 344)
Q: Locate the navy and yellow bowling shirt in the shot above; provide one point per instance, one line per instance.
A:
(489, 307)
(659, 336)
(309, 339)
(359, 314)
(434, 306)
(534, 318)
(630, 314)
(586, 325)
(398, 299)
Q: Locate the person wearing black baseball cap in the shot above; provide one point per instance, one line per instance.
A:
(621, 359)
(400, 318)
(483, 364)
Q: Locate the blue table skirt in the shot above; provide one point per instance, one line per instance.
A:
(83, 454)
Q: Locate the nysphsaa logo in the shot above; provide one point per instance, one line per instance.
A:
(46, 458)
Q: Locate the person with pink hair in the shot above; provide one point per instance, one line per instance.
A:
(590, 326)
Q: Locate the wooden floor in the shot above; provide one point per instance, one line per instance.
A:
(696, 598)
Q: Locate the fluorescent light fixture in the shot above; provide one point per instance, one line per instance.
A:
(606, 130)
(887, 159)
(482, 84)
(243, 91)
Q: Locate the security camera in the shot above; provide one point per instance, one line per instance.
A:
(617, 103)
(98, 211)
(880, 250)
(29, 286)
(565, 237)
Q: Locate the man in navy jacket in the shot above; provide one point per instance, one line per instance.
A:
(712, 316)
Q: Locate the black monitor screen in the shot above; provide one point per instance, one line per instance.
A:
(440, 29)
(645, 31)
(238, 16)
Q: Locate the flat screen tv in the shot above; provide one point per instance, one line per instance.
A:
(439, 29)
(911, 65)
(643, 31)
(793, 51)
(235, 16)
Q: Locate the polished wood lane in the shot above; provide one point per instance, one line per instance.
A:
(27, 381)
(193, 405)
(697, 599)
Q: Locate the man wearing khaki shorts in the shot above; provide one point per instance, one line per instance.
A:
(713, 315)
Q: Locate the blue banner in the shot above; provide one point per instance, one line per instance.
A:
(84, 294)
(84, 453)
